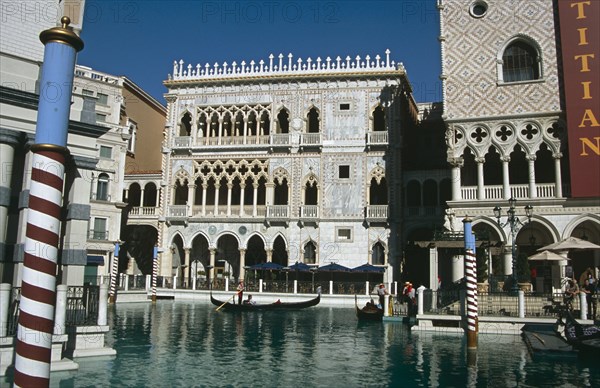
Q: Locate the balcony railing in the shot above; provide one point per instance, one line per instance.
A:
(178, 211)
(310, 139)
(100, 197)
(377, 212)
(521, 191)
(309, 211)
(143, 211)
(233, 141)
(278, 212)
(377, 137)
(98, 234)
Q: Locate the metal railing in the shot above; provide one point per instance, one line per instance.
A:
(98, 234)
(82, 305)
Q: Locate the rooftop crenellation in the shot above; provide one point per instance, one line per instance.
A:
(282, 65)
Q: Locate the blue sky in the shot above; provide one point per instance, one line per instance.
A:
(141, 39)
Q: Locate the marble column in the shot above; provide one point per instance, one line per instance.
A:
(557, 175)
(186, 266)
(505, 177)
(242, 263)
(531, 172)
(480, 180)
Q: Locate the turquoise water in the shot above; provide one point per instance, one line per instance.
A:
(189, 344)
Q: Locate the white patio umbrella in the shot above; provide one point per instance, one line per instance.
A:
(547, 256)
(568, 244)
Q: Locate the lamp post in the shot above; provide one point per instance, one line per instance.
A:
(513, 222)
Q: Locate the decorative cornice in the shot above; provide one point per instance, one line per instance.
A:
(284, 69)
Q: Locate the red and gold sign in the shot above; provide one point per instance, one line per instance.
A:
(580, 40)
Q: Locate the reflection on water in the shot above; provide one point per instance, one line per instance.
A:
(189, 344)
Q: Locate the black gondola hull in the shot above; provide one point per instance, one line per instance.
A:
(260, 307)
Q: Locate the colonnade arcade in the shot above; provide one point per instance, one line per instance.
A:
(506, 159)
(239, 188)
(228, 253)
(494, 249)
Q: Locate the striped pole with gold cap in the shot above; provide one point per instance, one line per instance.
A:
(38, 289)
(471, 277)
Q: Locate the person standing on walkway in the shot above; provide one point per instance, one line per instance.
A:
(381, 292)
(240, 291)
(590, 289)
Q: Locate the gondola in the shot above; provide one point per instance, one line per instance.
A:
(368, 313)
(271, 306)
(585, 338)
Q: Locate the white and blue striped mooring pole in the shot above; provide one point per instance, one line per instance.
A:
(471, 276)
(38, 288)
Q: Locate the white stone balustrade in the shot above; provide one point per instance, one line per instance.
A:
(284, 67)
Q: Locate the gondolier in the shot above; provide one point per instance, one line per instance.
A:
(240, 291)
(278, 305)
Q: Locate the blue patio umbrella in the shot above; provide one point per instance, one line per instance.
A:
(268, 266)
(300, 267)
(368, 268)
(333, 267)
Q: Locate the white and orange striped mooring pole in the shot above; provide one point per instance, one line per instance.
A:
(38, 288)
(471, 277)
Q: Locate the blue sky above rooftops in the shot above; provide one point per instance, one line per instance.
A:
(141, 39)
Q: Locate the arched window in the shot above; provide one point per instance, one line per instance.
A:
(378, 119)
(520, 62)
(102, 188)
(310, 253)
(313, 120)
(283, 121)
(378, 254)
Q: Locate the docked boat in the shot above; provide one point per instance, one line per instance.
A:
(585, 338)
(368, 313)
(271, 306)
(545, 340)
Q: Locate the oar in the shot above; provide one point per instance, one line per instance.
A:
(234, 295)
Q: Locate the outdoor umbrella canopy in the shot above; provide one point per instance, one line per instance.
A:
(267, 266)
(300, 267)
(333, 267)
(368, 268)
(568, 244)
(547, 256)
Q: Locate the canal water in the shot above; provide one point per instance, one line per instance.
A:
(183, 344)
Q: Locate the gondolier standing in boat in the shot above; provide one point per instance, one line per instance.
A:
(240, 291)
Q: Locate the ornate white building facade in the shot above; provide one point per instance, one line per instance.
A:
(285, 160)
(505, 126)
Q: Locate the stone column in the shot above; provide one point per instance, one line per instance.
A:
(186, 276)
(204, 187)
(242, 263)
(213, 253)
(216, 211)
(242, 187)
(507, 255)
(557, 175)
(74, 253)
(505, 177)
(141, 196)
(480, 181)
(229, 187)
(269, 255)
(191, 199)
(433, 268)
(458, 267)
(456, 163)
(531, 172)
(255, 200)
(9, 140)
